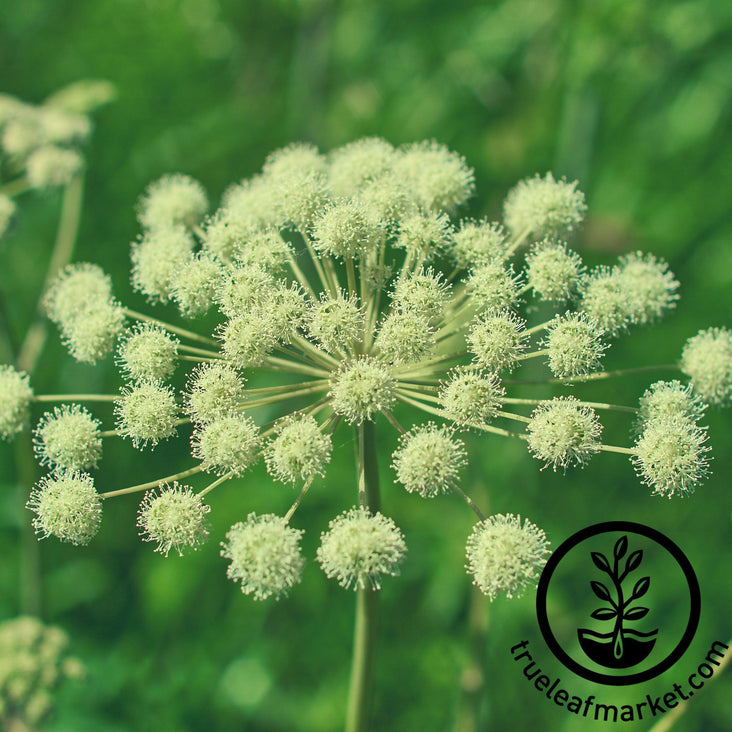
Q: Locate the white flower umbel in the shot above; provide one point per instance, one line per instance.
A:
(707, 361)
(472, 396)
(214, 391)
(505, 557)
(544, 207)
(360, 547)
(146, 413)
(226, 445)
(300, 451)
(67, 506)
(15, 398)
(172, 200)
(429, 460)
(319, 283)
(671, 456)
(174, 517)
(148, 353)
(265, 556)
(563, 433)
(361, 389)
(69, 438)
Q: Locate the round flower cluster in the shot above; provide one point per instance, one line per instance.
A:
(34, 663)
(41, 144)
(325, 310)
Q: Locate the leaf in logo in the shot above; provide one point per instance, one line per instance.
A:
(600, 590)
(621, 546)
(601, 562)
(634, 561)
(636, 613)
(603, 613)
(640, 588)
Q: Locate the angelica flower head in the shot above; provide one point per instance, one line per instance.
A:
(52, 166)
(173, 200)
(649, 285)
(67, 506)
(91, 335)
(405, 337)
(264, 248)
(471, 396)
(242, 288)
(423, 292)
(553, 271)
(157, 259)
(357, 163)
(195, 285)
(76, 288)
(361, 547)
(148, 353)
(439, 179)
(670, 400)
(265, 556)
(35, 662)
(562, 432)
(478, 243)
(146, 413)
(424, 235)
(494, 287)
(636, 291)
(321, 285)
(335, 323)
(544, 207)
(300, 451)
(574, 345)
(428, 460)
(69, 439)
(246, 341)
(214, 390)
(345, 230)
(251, 205)
(362, 388)
(174, 517)
(707, 361)
(226, 445)
(298, 157)
(15, 398)
(671, 455)
(300, 198)
(497, 341)
(505, 556)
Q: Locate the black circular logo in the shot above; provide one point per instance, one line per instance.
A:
(618, 603)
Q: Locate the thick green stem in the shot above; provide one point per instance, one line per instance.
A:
(359, 695)
(63, 251)
(30, 559)
(28, 356)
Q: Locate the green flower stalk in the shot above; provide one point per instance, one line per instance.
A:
(327, 268)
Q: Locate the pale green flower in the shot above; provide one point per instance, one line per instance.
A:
(265, 556)
(174, 517)
(67, 506)
(505, 556)
(360, 548)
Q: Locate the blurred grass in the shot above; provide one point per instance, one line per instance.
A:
(630, 98)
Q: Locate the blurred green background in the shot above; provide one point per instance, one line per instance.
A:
(630, 98)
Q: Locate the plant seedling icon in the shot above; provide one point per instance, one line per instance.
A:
(622, 647)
